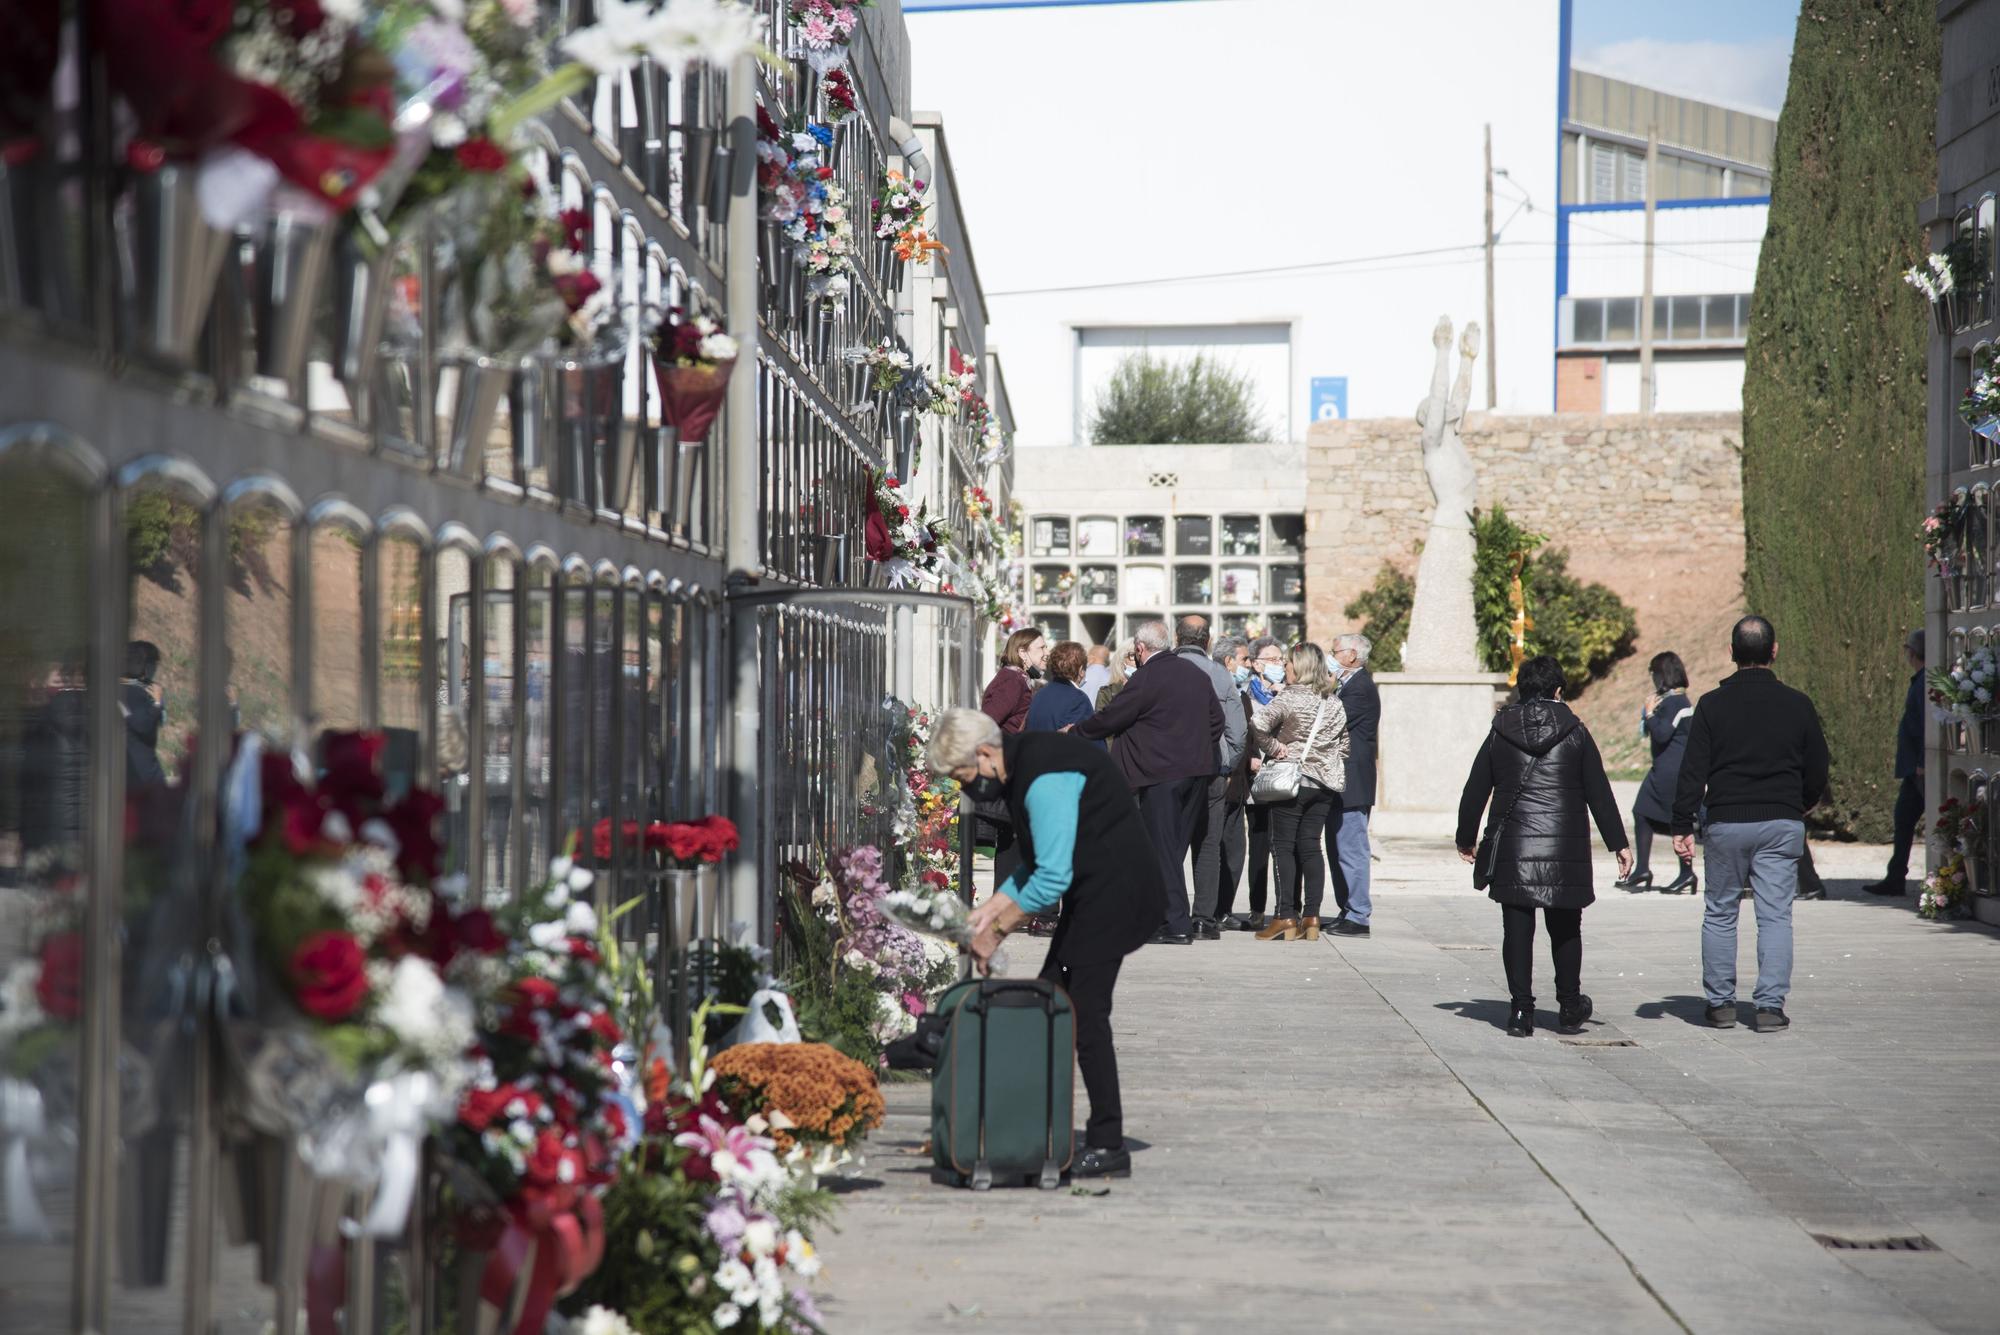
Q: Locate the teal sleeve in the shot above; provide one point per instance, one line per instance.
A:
(1052, 806)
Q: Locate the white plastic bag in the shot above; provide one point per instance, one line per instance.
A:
(756, 1025)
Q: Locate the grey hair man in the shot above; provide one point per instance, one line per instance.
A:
(1169, 722)
(1192, 640)
(1347, 849)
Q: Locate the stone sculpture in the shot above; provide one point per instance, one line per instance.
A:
(1443, 637)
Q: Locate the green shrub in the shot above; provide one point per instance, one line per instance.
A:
(1584, 627)
(1834, 381)
(1155, 401)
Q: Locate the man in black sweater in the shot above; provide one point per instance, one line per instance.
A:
(1167, 722)
(1755, 752)
(1909, 774)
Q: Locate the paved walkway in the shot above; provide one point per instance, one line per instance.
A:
(1338, 1137)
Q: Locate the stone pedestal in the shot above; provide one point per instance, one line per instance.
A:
(1432, 726)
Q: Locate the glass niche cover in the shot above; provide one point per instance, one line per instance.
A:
(1050, 536)
(1194, 535)
(1146, 535)
(1241, 585)
(1097, 584)
(1242, 535)
(1146, 584)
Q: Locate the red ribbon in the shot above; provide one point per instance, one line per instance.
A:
(560, 1246)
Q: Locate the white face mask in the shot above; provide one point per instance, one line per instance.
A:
(1274, 673)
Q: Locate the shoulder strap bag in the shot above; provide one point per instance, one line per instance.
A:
(1278, 780)
(1488, 856)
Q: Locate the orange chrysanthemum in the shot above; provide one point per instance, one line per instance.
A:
(829, 1099)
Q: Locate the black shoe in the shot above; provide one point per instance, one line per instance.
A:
(1521, 1020)
(1163, 937)
(1817, 890)
(1254, 922)
(1236, 922)
(1348, 927)
(1684, 884)
(1770, 1019)
(1573, 1015)
(1097, 1162)
(1887, 889)
(1206, 929)
(1638, 880)
(1722, 1017)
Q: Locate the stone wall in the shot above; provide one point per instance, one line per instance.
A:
(1652, 507)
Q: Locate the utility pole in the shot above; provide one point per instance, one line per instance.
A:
(1646, 291)
(1492, 334)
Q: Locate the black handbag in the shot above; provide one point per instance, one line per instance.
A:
(1488, 854)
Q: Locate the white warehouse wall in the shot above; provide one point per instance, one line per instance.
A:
(1103, 143)
(1695, 250)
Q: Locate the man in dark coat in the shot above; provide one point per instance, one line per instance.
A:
(1756, 755)
(1167, 722)
(1910, 773)
(1347, 850)
(1059, 788)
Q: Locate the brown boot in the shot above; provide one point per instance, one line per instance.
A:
(1281, 929)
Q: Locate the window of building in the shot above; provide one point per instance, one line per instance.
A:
(1242, 585)
(1288, 583)
(1242, 535)
(1096, 536)
(1288, 536)
(1097, 585)
(1194, 584)
(1635, 175)
(1146, 584)
(1621, 320)
(1603, 173)
(1588, 322)
(1194, 535)
(1145, 535)
(1050, 536)
(1721, 318)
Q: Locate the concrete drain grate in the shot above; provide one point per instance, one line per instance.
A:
(1908, 1244)
(1465, 947)
(1599, 1042)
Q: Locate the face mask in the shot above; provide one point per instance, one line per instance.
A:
(1034, 674)
(985, 788)
(1274, 673)
(1241, 674)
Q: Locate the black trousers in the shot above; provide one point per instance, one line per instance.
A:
(1909, 813)
(1170, 810)
(1229, 874)
(1298, 828)
(1089, 987)
(1211, 832)
(1517, 950)
(1257, 821)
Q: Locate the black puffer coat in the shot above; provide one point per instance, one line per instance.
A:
(1544, 846)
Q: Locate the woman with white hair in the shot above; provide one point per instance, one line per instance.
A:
(1108, 883)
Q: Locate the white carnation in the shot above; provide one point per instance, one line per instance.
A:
(581, 919)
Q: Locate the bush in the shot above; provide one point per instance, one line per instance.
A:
(1834, 381)
(1584, 627)
(1154, 401)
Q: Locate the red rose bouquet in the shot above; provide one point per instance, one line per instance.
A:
(548, 1110)
(689, 844)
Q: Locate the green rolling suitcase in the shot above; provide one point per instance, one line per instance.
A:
(1002, 1090)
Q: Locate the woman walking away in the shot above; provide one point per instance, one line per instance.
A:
(1061, 700)
(1542, 770)
(1665, 722)
(1305, 725)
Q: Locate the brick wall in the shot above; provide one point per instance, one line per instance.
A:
(1652, 507)
(1579, 384)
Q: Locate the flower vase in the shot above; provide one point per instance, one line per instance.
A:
(681, 907)
(691, 396)
(893, 274)
(829, 559)
(904, 423)
(708, 890)
(822, 333)
(1941, 316)
(292, 251)
(771, 243)
(173, 258)
(697, 168)
(35, 270)
(528, 418)
(360, 303)
(586, 409)
(479, 386)
(688, 456)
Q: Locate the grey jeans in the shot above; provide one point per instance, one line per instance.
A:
(1763, 855)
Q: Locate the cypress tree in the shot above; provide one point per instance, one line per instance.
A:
(1834, 386)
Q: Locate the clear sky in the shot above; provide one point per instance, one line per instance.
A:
(1736, 51)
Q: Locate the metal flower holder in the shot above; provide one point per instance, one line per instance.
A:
(292, 252)
(361, 283)
(477, 386)
(586, 403)
(172, 260)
